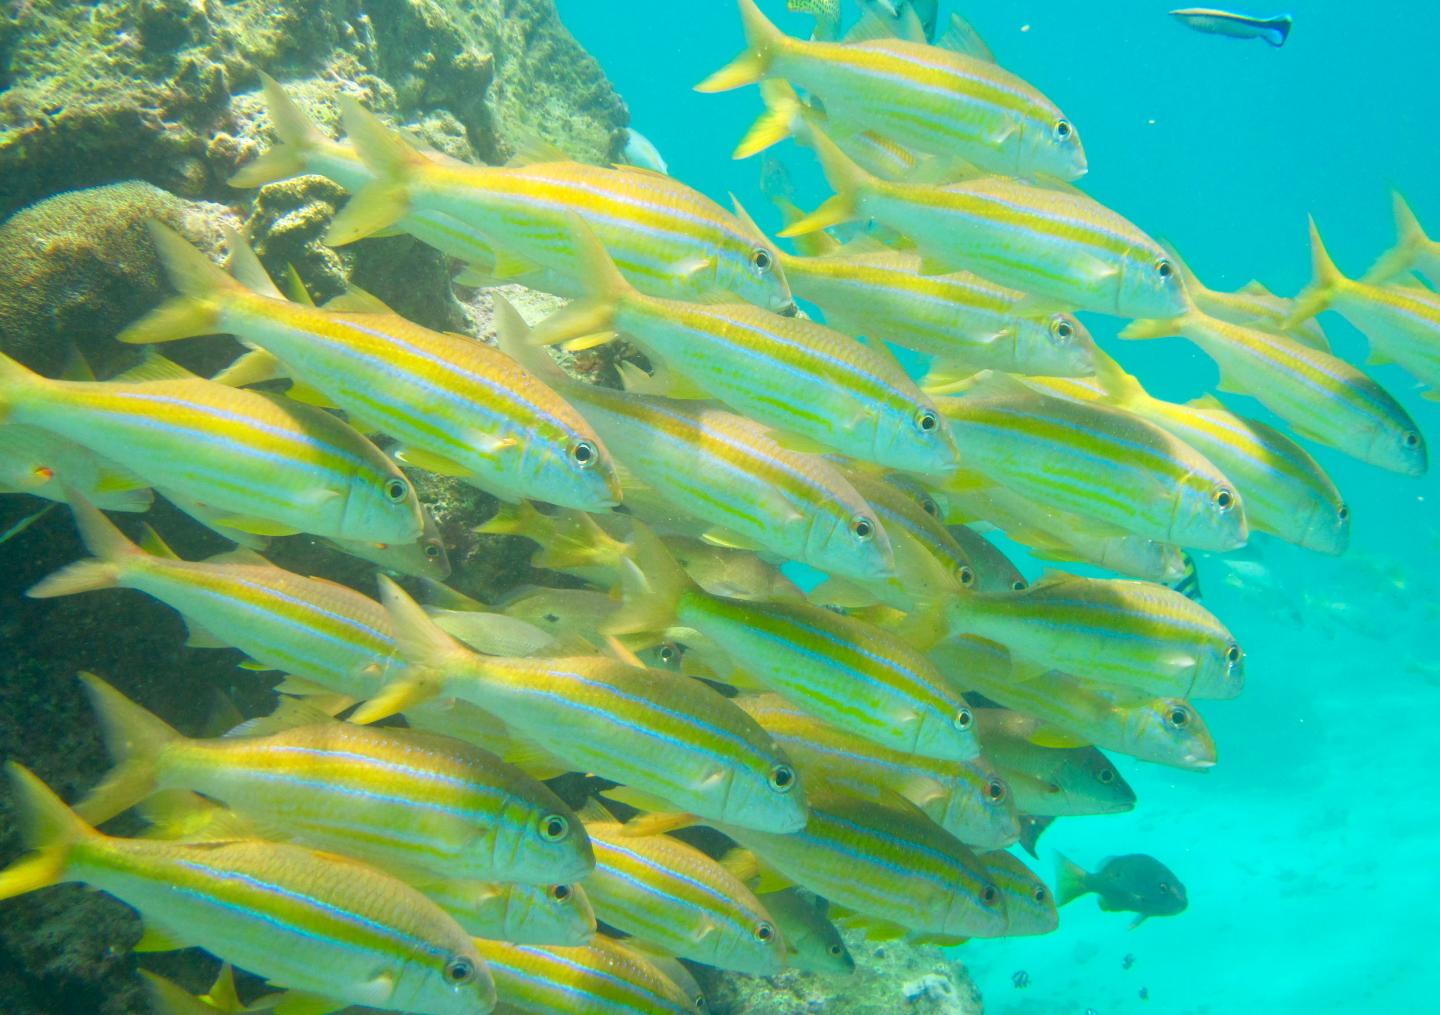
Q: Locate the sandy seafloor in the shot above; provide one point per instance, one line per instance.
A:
(1310, 853)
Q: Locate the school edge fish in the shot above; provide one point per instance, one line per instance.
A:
(1213, 21)
(1134, 883)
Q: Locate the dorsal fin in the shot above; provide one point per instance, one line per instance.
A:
(961, 37)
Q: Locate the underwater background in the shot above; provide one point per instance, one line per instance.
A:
(1305, 890)
(1309, 850)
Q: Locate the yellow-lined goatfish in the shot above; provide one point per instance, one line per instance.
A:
(1136, 634)
(812, 942)
(1029, 904)
(457, 406)
(928, 98)
(966, 798)
(1053, 243)
(1287, 493)
(1321, 396)
(727, 471)
(602, 976)
(671, 895)
(314, 922)
(840, 669)
(1050, 780)
(425, 807)
(558, 914)
(262, 465)
(658, 733)
(1165, 730)
(39, 462)
(785, 372)
(1253, 305)
(1096, 462)
(1401, 321)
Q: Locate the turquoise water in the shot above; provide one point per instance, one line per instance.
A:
(1309, 850)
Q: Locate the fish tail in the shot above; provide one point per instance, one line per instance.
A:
(1070, 880)
(763, 41)
(135, 738)
(111, 548)
(1410, 239)
(1322, 290)
(297, 135)
(816, 244)
(512, 336)
(587, 322)
(1281, 27)
(845, 176)
(651, 584)
(1160, 327)
(423, 650)
(782, 109)
(50, 829)
(1120, 387)
(382, 203)
(201, 282)
(15, 380)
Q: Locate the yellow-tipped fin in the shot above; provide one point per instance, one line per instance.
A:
(847, 178)
(1328, 282)
(245, 266)
(782, 108)
(135, 739)
(651, 583)
(1152, 328)
(764, 42)
(50, 830)
(297, 135)
(384, 202)
(109, 545)
(605, 288)
(1069, 880)
(201, 282)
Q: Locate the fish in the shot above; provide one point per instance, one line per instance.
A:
(673, 970)
(640, 151)
(1134, 883)
(1401, 322)
(882, 859)
(1053, 243)
(1320, 396)
(657, 732)
(312, 922)
(523, 914)
(1252, 305)
(812, 942)
(671, 895)
(825, 12)
(728, 472)
(1134, 634)
(1029, 906)
(169, 998)
(1097, 462)
(602, 976)
(263, 465)
(1050, 781)
(35, 461)
(962, 321)
(1413, 250)
(931, 99)
(1165, 730)
(966, 798)
(1213, 21)
(786, 372)
(666, 238)
(457, 406)
(422, 806)
(1189, 584)
(839, 669)
(1286, 492)
(427, 557)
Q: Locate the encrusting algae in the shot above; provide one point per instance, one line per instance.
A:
(652, 766)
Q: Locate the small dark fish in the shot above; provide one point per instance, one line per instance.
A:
(1144, 993)
(1189, 583)
(1020, 978)
(1134, 883)
(1235, 26)
(1031, 828)
(1127, 961)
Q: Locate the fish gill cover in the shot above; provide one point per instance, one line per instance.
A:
(699, 609)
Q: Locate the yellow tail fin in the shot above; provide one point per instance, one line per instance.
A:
(201, 282)
(15, 380)
(589, 321)
(763, 40)
(424, 651)
(651, 583)
(384, 202)
(849, 180)
(109, 545)
(49, 828)
(135, 739)
(297, 135)
(1322, 290)
(779, 121)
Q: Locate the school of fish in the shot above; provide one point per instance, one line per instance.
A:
(870, 744)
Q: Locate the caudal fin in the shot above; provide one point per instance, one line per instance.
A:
(202, 284)
(135, 738)
(847, 178)
(297, 136)
(50, 830)
(1321, 291)
(386, 200)
(587, 322)
(15, 380)
(424, 652)
(111, 548)
(1069, 880)
(651, 584)
(1410, 243)
(763, 42)
(781, 119)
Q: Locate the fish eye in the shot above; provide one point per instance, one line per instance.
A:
(1062, 329)
(1107, 775)
(963, 719)
(761, 260)
(926, 420)
(967, 575)
(1039, 894)
(583, 454)
(1411, 439)
(559, 892)
(433, 550)
(1164, 886)
(1232, 654)
(396, 490)
(1343, 514)
(1163, 268)
(667, 654)
(554, 827)
(1178, 717)
(862, 528)
(989, 894)
(929, 506)
(995, 791)
(1063, 130)
(459, 970)
(1223, 498)
(782, 778)
(836, 950)
(763, 931)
